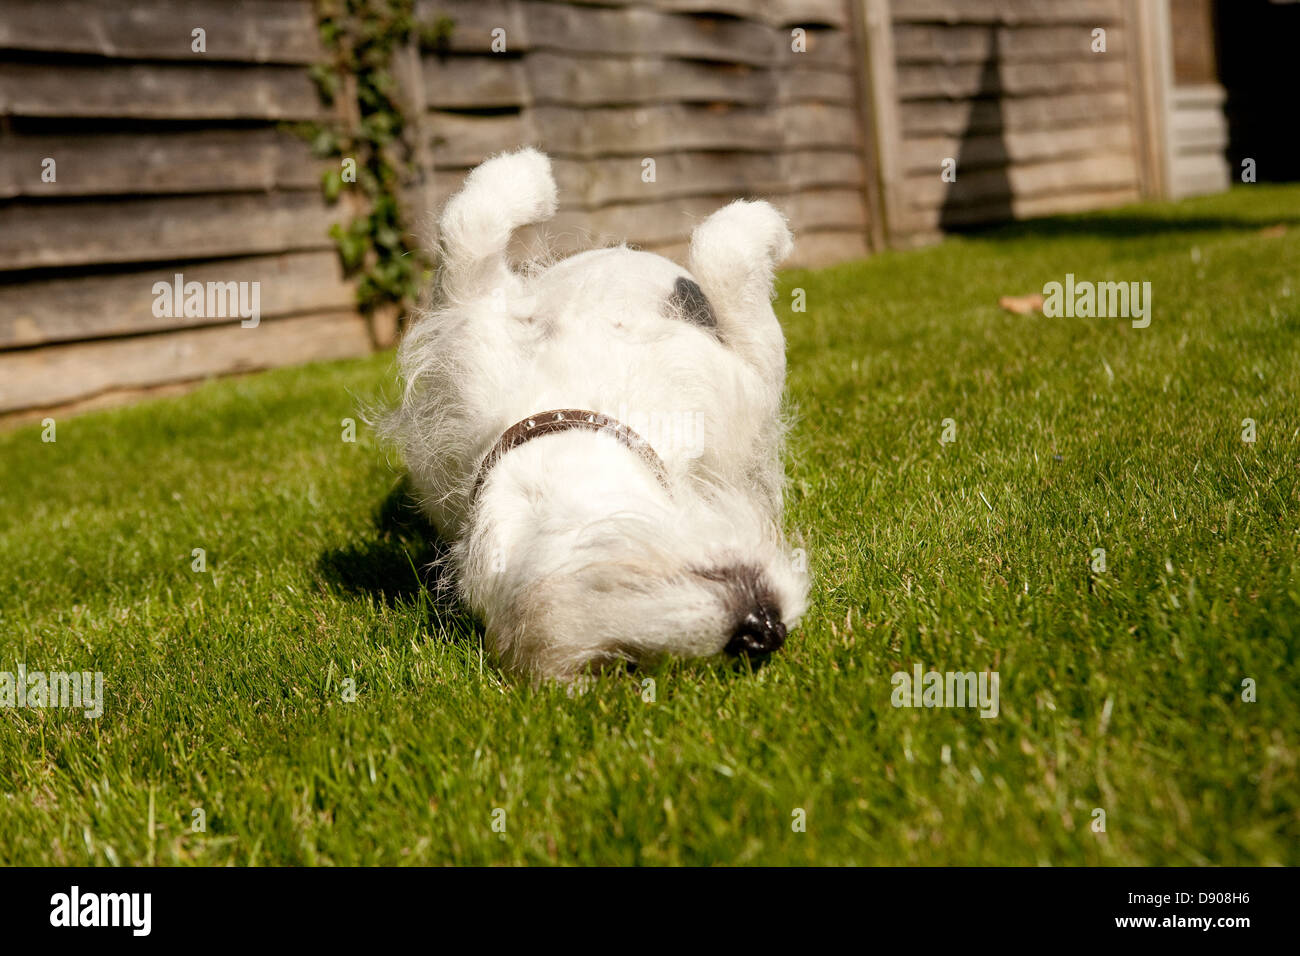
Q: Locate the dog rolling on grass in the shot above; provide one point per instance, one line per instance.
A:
(600, 440)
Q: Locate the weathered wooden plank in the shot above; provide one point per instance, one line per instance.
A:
(925, 81)
(926, 154)
(1092, 12)
(461, 140)
(771, 12)
(624, 131)
(816, 209)
(40, 234)
(587, 185)
(476, 19)
(662, 222)
(486, 82)
(1082, 200)
(595, 183)
(102, 163)
(813, 249)
(633, 31)
(825, 50)
(927, 221)
(31, 378)
(957, 43)
(474, 82)
(611, 31)
(259, 31)
(159, 91)
(122, 303)
(474, 22)
(1106, 171)
(780, 13)
(971, 117)
(786, 13)
(822, 86)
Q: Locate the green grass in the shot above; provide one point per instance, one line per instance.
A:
(1119, 690)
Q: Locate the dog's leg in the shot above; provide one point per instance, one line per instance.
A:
(505, 193)
(733, 255)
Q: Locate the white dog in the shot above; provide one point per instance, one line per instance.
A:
(600, 440)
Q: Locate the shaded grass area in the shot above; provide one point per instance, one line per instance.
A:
(1120, 691)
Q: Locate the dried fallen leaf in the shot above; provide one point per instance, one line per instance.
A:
(1022, 304)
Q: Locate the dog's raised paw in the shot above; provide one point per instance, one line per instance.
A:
(508, 191)
(737, 249)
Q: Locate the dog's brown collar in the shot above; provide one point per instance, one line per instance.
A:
(567, 419)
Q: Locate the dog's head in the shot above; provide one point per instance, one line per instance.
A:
(606, 568)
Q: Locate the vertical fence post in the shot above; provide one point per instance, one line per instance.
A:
(1153, 71)
(884, 132)
(875, 237)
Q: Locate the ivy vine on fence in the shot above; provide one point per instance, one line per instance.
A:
(373, 141)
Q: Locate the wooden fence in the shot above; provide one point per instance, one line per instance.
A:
(129, 158)
(1011, 91)
(716, 93)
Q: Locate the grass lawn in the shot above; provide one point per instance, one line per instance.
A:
(1120, 691)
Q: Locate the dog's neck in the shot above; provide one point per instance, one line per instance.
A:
(567, 419)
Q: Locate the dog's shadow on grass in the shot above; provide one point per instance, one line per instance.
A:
(403, 563)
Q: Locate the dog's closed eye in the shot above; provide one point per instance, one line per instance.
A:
(689, 301)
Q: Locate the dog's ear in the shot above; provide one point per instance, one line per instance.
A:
(506, 192)
(735, 252)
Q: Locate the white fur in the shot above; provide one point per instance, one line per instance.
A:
(573, 554)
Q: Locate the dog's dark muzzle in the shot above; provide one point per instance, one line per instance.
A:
(759, 632)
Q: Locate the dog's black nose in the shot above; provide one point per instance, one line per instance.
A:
(759, 632)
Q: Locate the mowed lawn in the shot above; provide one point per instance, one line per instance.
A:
(1120, 691)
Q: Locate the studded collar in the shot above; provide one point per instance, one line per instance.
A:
(568, 419)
